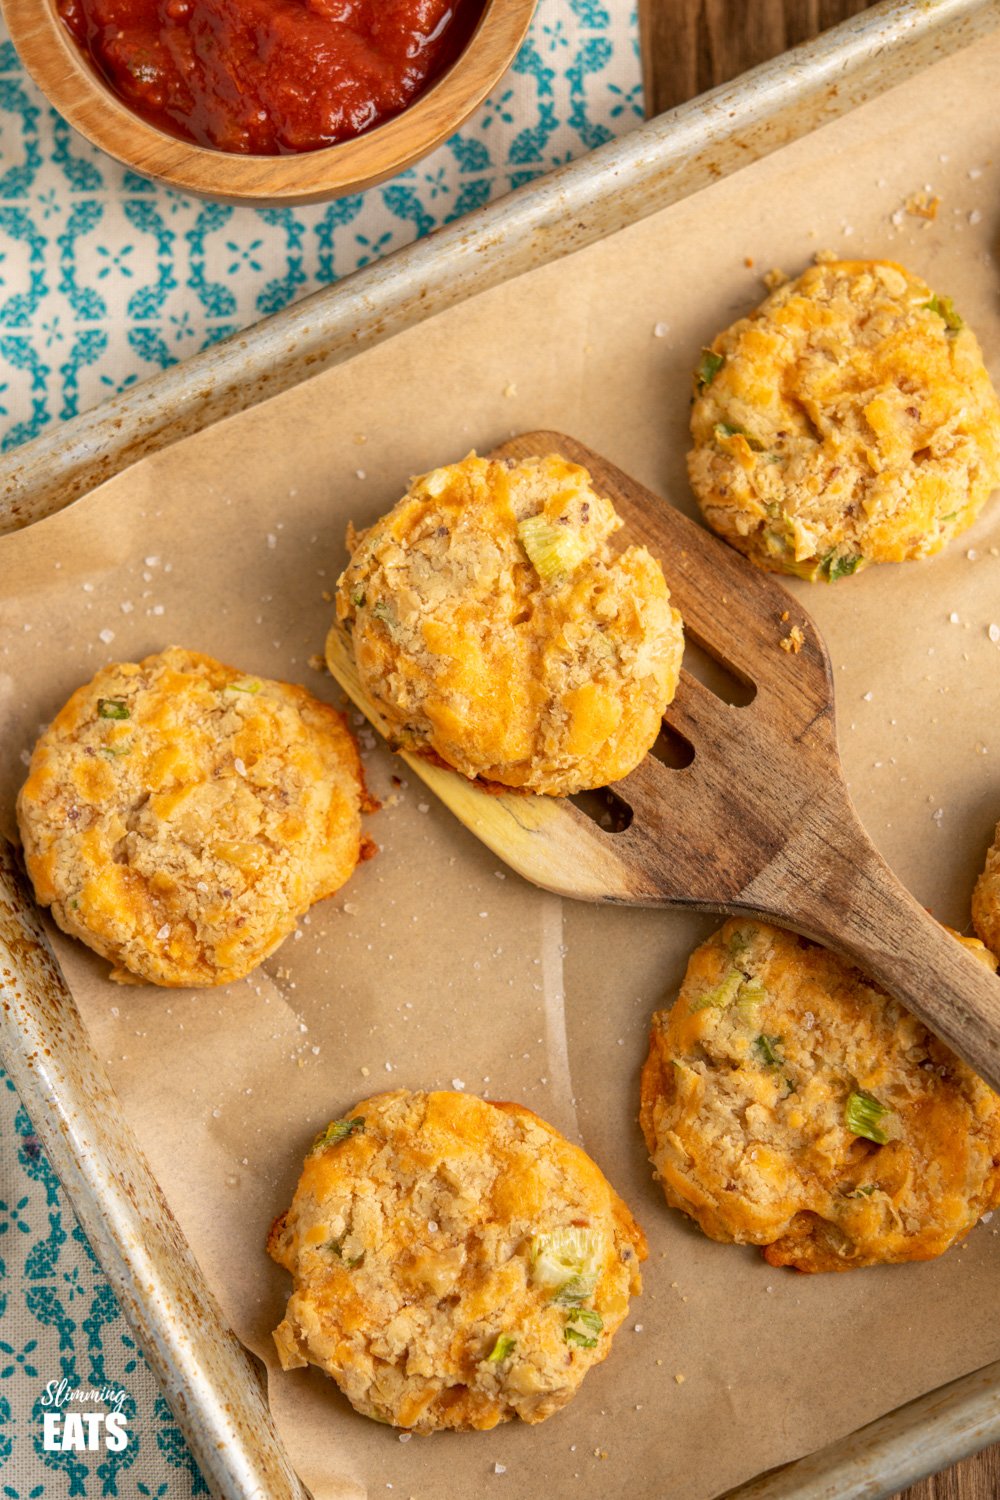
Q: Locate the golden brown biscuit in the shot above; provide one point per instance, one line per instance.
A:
(986, 897)
(456, 1262)
(495, 627)
(849, 420)
(786, 1102)
(179, 816)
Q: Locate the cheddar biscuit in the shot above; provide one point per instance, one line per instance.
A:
(496, 629)
(456, 1263)
(788, 1103)
(179, 816)
(986, 897)
(849, 420)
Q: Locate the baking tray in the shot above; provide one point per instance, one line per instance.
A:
(207, 1377)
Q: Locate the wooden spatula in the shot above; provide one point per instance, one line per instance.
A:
(760, 822)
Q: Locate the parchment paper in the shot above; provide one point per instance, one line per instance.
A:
(434, 968)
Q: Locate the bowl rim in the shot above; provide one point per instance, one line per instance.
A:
(73, 87)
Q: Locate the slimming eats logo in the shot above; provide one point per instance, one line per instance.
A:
(83, 1431)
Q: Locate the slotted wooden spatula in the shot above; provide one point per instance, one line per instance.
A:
(760, 822)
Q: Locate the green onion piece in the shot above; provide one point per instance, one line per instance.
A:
(338, 1130)
(945, 308)
(950, 516)
(553, 550)
(114, 751)
(751, 993)
(723, 994)
(739, 942)
(246, 685)
(567, 1263)
(358, 599)
(502, 1349)
(582, 1327)
(382, 612)
(113, 708)
(862, 1192)
(767, 1046)
(710, 365)
(832, 567)
(862, 1113)
(808, 569)
(575, 1291)
(727, 430)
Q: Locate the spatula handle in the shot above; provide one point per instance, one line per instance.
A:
(830, 883)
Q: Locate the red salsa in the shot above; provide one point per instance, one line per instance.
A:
(269, 76)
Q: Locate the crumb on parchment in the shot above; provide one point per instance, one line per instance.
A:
(922, 205)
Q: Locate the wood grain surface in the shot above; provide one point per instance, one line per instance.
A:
(689, 46)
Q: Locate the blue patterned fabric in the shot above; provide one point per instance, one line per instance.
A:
(105, 279)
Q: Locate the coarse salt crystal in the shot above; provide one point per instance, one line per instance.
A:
(432, 1225)
(954, 617)
(868, 697)
(88, 588)
(993, 631)
(975, 216)
(126, 606)
(241, 769)
(404, 1437)
(272, 540)
(151, 562)
(499, 1468)
(107, 636)
(157, 609)
(362, 475)
(163, 933)
(458, 1083)
(660, 330)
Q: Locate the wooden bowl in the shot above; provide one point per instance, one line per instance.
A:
(74, 88)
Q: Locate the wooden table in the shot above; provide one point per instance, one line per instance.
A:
(689, 46)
